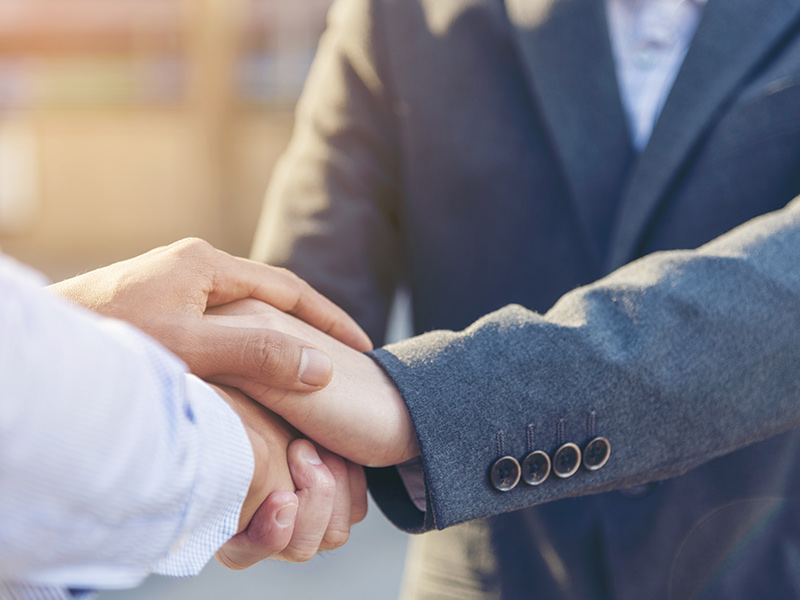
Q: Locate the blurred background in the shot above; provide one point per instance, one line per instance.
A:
(128, 124)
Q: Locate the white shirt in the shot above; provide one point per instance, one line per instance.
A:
(649, 40)
(114, 462)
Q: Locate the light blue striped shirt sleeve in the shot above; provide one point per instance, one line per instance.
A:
(114, 462)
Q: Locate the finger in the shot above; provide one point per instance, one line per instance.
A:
(268, 533)
(338, 530)
(242, 278)
(266, 356)
(358, 493)
(316, 491)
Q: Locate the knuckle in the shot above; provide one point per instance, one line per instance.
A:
(257, 307)
(191, 245)
(289, 275)
(336, 466)
(299, 286)
(269, 354)
(359, 512)
(325, 486)
(262, 544)
(301, 553)
(335, 538)
(224, 558)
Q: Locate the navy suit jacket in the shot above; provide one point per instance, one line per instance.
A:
(477, 150)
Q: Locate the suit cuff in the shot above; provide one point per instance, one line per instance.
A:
(402, 492)
(390, 495)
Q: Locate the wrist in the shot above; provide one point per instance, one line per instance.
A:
(269, 438)
(405, 444)
(223, 472)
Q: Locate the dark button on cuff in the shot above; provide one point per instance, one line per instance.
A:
(566, 460)
(505, 473)
(535, 468)
(596, 453)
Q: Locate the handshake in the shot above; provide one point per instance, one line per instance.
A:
(291, 364)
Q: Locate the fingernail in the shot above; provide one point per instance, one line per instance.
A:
(315, 367)
(285, 516)
(309, 454)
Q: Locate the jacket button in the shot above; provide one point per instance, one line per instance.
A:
(505, 473)
(566, 460)
(596, 453)
(535, 468)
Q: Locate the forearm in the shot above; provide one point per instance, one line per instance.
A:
(111, 456)
(680, 357)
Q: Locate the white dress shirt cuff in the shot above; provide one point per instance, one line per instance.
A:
(24, 591)
(224, 471)
(413, 478)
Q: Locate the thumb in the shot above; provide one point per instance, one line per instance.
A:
(268, 533)
(259, 355)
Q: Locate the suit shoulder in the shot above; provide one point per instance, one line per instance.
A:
(436, 15)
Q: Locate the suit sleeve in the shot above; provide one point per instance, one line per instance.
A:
(331, 209)
(677, 358)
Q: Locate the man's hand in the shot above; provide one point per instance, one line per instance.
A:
(301, 499)
(359, 415)
(166, 292)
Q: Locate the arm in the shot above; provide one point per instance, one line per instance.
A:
(165, 293)
(331, 212)
(103, 438)
(117, 462)
(682, 356)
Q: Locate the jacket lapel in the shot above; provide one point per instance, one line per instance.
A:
(733, 37)
(565, 48)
